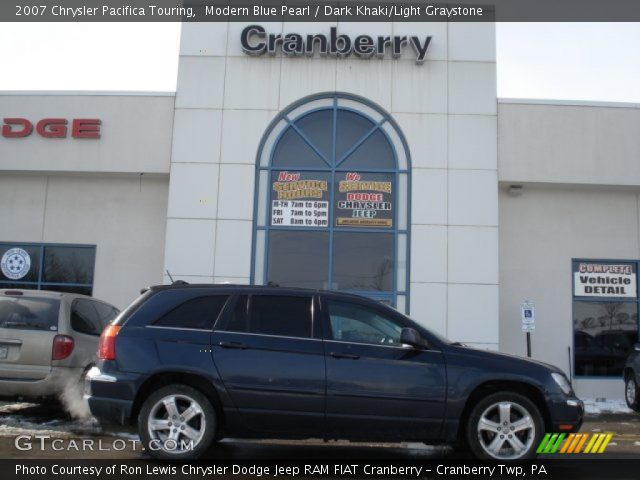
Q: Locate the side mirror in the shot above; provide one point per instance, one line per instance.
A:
(410, 336)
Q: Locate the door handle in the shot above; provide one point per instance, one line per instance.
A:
(348, 356)
(240, 346)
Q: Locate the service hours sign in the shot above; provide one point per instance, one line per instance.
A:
(299, 199)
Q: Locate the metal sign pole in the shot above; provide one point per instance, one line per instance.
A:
(528, 318)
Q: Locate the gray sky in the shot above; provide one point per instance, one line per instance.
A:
(572, 61)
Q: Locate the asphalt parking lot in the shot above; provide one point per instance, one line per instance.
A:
(45, 431)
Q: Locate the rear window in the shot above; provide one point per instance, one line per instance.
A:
(27, 313)
(124, 315)
(198, 313)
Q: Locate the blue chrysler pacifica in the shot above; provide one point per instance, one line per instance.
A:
(190, 364)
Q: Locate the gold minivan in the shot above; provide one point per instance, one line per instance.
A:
(47, 340)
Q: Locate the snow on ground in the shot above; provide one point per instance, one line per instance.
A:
(596, 407)
(29, 418)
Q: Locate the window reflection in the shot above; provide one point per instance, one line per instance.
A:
(62, 268)
(68, 264)
(604, 335)
(298, 259)
(363, 261)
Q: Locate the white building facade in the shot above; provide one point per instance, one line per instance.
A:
(378, 172)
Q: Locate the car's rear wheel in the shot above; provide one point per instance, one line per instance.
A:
(631, 392)
(177, 422)
(505, 426)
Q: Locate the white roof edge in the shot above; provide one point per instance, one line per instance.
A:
(569, 103)
(88, 93)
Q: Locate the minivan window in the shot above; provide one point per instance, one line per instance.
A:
(198, 313)
(106, 313)
(85, 318)
(279, 315)
(27, 313)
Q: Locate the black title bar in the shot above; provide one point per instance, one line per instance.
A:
(320, 11)
(582, 468)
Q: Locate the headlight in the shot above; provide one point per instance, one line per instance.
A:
(562, 382)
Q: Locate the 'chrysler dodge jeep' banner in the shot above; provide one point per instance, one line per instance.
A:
(299, 199)
(364, 200)
(604, 280)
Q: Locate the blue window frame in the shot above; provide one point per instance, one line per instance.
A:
(47, 266)
(605, 315)
(332, 204)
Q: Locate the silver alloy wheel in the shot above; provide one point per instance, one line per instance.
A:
(630, 391)
(176, 424)
(506, 430)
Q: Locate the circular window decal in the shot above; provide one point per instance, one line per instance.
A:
(15, 263)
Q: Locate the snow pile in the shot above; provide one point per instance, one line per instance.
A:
(598, 406)
(33, 418)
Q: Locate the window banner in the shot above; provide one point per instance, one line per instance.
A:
(611, 280)
(364, 200)
(299, 199)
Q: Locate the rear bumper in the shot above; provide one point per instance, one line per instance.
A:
(110, 399)
(110, 411)
(55, 383)
(567, 414)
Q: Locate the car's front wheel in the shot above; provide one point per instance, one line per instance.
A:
(177, 422)
(631, 392)
(505, 426)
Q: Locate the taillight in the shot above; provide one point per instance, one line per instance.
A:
(107, 345)
(62, 347)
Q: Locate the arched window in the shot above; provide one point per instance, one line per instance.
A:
(332, 202)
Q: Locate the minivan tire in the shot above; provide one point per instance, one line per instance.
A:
(505, 426)
(162, 419)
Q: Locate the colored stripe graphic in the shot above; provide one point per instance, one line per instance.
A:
(550, 443)
(570, 440)
(576, 441)
(556, 445)
(593, 440)
(596, 445)
(543, 443)
(584, 439)
(606, 442)
(561, 443)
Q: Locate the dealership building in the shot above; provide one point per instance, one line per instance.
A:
(373, 158)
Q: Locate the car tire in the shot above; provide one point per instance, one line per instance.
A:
(177, 422)
(631, 392)
(505, 426)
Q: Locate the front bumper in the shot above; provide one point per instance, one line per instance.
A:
(567, 413)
